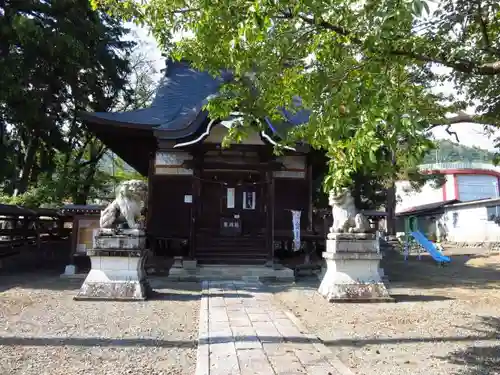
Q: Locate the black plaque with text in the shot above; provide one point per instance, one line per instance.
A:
(230, 226)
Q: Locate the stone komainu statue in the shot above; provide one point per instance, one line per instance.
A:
(131, 197)
(346, 218)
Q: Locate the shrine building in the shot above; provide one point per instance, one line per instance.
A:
(225, 206)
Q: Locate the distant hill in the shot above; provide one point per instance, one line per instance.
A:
(448, 152)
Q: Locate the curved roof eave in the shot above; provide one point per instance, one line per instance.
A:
(178, 103)
(103, 118)
(281, 129)
(196, 120)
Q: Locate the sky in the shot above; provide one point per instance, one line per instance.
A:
(468, 134)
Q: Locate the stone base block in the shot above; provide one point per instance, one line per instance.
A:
(352, 271)
(121, 232)
(114, 290)
(189, 264)
(69, 270)
(115, 277)
(358, 292)
(351, 243)
(177, 262)
(118, 241)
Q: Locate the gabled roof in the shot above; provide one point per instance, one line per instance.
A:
(14, 210)
(8, 209)
(179, 99)
(177, 109)
(75, 209)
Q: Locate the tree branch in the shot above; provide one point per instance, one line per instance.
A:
(186, 10)
(460, 118)
(95, 158)
(452, 132)
(464, 66)
(483, 25)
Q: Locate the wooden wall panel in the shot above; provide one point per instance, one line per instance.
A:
(290, 194)
(170, 216)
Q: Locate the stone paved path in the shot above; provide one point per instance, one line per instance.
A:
(241, 333)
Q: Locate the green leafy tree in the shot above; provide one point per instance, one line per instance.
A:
(354, 65)
(57, 58)
(363, 69)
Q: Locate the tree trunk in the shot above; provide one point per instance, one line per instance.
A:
(35, 172)
(3, 153)
(62, 186)
(391, 202)
(29, 162)
(83, 193)
(391, 209)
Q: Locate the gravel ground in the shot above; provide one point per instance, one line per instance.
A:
(44, 331)
(446, 321)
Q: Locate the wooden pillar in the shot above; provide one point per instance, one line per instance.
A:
(74, 238)
(310, 195)
(195, 204)
(151, 173)
(270, 215)
(153, 244)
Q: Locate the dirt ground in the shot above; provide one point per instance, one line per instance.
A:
(44, 331)
(446, 319)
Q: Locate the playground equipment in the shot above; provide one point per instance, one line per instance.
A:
(429, 246)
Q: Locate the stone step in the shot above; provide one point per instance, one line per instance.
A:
(230, 260)
(231, 241)
(221, 254)
(231, 238)
(232, 249)
(236, 271)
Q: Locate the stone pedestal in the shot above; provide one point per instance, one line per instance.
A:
(352, 269)
(117, 267)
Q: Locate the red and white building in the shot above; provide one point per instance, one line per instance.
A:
(464, 182)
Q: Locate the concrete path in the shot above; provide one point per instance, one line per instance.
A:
(241, 333)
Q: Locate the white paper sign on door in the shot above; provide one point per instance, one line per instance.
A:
(230, 197)
(249, 200)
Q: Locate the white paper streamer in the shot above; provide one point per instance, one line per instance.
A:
(296, 229)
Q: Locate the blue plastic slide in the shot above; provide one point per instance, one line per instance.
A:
(430, 247)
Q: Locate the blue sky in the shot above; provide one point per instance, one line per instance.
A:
(468, 134)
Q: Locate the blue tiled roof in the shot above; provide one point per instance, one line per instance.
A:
(293, 119)
(177, 109)
(181, 94)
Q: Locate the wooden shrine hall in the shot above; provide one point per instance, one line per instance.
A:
(228, 206)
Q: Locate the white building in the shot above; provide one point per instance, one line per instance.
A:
(474, 222)
(464, 182)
